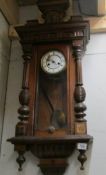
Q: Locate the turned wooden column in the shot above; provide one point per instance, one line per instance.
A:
(21, 128)
(22, 125)
(79, 94)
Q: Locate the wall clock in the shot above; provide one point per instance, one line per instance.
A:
(52, 111)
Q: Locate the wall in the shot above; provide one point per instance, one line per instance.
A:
(11, 10)
(95, 82)
(98, 7)
(4, 61)
(94, 70)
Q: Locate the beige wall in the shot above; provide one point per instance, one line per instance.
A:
(4, 61)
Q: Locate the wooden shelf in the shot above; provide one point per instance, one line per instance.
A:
(32, 140)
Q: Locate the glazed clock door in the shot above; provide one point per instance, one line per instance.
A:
(52, 81)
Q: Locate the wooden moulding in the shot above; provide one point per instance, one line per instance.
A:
(29, 140)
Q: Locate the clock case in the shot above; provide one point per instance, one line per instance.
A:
(42, 94)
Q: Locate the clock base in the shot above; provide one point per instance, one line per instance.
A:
(52, 152)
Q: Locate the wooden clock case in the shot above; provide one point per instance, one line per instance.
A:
(51, 141)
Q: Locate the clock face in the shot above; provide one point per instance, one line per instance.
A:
(53, 62)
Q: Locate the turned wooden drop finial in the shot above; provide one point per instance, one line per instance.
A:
(20, 160)
(82, 158)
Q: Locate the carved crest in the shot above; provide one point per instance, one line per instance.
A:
(53, 10)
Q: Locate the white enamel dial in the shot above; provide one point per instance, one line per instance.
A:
(53, 62)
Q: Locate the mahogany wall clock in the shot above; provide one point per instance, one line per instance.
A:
(52, 98)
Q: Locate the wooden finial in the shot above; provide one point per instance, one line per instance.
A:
(53, 10)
